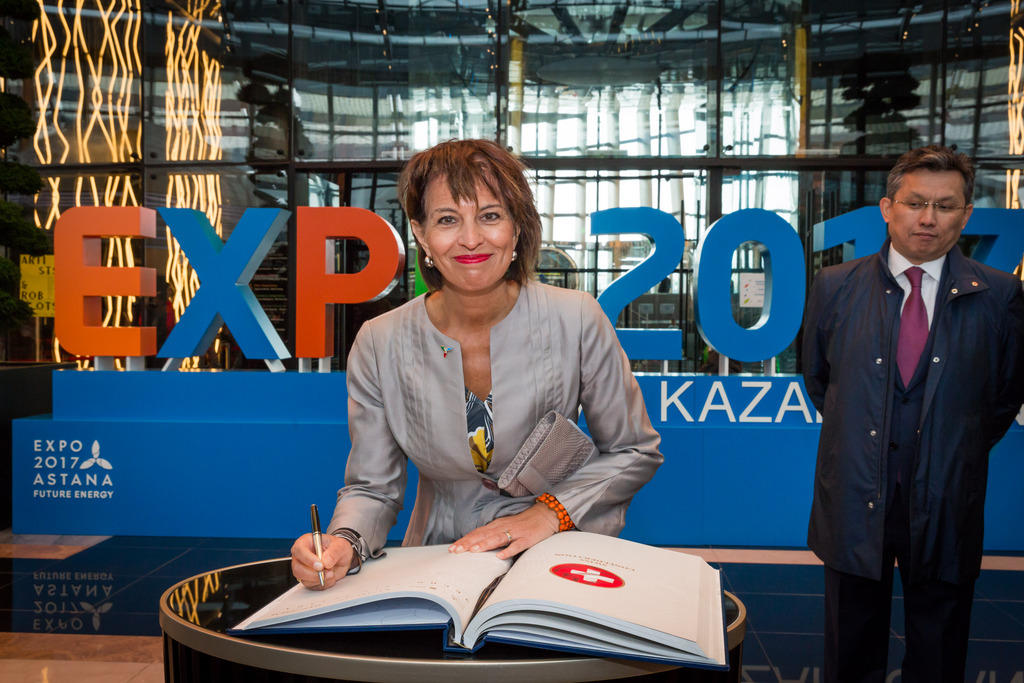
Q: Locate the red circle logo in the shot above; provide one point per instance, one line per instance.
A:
(588, 575)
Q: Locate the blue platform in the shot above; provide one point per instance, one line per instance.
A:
(243, 454)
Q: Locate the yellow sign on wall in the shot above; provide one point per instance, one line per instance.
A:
(37, 284)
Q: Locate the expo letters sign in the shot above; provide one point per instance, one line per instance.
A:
(225, 269)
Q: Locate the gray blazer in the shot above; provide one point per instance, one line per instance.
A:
(555, 350)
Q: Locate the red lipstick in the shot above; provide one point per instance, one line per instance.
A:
(472, 258)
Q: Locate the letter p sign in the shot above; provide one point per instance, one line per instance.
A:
(319, 287)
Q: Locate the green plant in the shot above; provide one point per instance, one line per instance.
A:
(17, 233)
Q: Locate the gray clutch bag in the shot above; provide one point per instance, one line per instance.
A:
(555, 449)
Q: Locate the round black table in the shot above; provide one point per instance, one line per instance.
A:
(196, 613)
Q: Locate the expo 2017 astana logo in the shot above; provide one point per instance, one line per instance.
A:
(63, 471)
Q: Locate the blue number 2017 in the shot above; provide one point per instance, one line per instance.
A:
(1001, 245)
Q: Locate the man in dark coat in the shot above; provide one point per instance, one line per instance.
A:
(914, 356)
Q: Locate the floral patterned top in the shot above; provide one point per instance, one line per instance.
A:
(480, 430)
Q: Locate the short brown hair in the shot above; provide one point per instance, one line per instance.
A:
(464, 164)
(931, 158)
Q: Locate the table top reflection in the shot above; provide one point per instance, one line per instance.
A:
(197, 613)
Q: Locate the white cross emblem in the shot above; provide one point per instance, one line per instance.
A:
(591, 576)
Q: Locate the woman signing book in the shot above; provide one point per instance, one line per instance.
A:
(456, 380)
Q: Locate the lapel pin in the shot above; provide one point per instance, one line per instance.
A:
(445, 350)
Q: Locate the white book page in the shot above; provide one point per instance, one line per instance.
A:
(661, 591)
(712, 636)
(576, 642)
(552, 628)
(428, 572)
(409, 612)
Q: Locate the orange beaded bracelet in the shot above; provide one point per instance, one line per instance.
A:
(564, 523)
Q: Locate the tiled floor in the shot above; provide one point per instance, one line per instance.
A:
(84, 609)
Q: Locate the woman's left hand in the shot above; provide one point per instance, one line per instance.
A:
(514, 534)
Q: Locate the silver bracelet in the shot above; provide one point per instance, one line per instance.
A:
(358, 548)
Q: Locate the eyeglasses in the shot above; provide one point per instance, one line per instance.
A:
(940, 206)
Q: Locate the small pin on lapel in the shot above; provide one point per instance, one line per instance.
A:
(445, 350)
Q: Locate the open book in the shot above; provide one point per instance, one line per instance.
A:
(574, 591)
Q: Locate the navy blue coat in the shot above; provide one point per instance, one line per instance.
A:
(973, 391)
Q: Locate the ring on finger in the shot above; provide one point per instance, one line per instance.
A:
(508, 535)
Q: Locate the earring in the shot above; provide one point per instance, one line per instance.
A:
(428, 262)
(514, 255)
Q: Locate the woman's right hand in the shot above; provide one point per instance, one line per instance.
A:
(337, 560)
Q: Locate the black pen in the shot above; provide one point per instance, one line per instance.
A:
(317, 543)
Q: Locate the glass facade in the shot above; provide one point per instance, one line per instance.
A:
(695, 108)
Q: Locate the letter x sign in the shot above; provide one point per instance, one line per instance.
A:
(224, 270)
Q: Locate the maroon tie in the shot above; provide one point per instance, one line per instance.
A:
(913, 327)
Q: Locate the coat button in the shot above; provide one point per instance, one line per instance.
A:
(974, 283)
(888, 291)
(955, 290)
(935, 359)
(871, 505)
(873, 432)
(878, 361)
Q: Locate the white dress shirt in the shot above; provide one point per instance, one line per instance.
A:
(898, 265)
